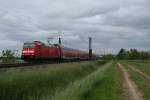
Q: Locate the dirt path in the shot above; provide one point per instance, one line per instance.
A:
(129, 86)
(147, 77)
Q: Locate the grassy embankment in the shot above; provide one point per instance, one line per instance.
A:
(103, 84)
(142, 84)
(109, 87)
(26, 83)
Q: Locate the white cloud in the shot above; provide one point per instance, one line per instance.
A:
(112, 23)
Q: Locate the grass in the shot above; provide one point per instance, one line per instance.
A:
(143, 66)
(142, 84)
(25, 84)
(108, 87)
(103, 84)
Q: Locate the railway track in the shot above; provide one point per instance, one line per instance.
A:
(15, 65)
(23, 64)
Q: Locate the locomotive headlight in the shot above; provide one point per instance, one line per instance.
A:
(28, 51)
(24, 51)
(31, 51)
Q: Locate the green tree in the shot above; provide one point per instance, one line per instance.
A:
(122, 54)
(144, 55)
(8, 56)
(134, 54)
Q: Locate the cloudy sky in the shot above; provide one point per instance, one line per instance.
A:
(113, 24)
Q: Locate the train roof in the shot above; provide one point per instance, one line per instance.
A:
(64, 47)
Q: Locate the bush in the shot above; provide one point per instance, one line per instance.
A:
(8, 56)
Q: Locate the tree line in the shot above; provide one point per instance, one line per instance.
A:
(8, 56)
(132, 54)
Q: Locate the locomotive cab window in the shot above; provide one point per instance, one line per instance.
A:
(28, 45)
(53, 42)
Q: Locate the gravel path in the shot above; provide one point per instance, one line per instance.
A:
(147, 77)
(129, 86)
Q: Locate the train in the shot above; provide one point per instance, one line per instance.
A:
(39, 51)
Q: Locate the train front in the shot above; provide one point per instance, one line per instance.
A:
(28, 51)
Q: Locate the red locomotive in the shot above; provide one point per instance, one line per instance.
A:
(36, 50)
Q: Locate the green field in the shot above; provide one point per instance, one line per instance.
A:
(108, 87)
(141, 65)
(142, 83)
(22, 84)
(90, 80)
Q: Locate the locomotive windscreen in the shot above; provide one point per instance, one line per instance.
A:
(29, 45)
